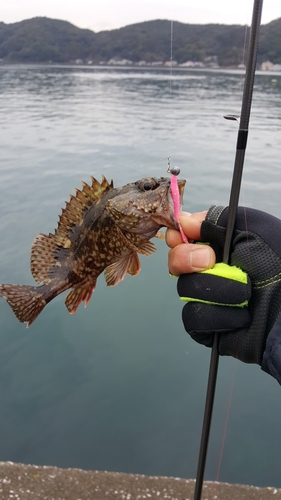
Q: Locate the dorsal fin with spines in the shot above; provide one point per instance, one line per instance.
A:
(45, 248)
(75, 208)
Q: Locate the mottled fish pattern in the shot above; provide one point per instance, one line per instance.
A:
(101, 228)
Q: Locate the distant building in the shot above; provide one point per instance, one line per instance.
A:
(192, 64)
(116, 61)
(171, 63)
(211, 61)
(188, 64)
(266, 66)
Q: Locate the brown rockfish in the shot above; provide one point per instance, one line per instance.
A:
(102, 228)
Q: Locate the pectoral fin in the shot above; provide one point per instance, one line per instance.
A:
(146, 247)
(134, 267)
(116, 272)
(160, 234)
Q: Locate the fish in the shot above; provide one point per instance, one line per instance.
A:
(101, 229)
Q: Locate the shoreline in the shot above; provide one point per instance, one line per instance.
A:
(32, 482)
(152, 69)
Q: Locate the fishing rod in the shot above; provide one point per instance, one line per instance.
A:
(233, 205)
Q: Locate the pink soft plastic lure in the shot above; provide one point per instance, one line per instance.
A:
(176, 199)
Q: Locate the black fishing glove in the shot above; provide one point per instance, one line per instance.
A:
(242, 304)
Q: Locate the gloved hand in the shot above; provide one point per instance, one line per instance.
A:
(215, 302)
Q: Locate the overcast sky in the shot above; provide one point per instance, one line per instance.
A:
(100, 15)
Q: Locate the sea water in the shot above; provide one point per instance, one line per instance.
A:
(120, 385)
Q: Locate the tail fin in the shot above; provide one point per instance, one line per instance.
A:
(26, 301)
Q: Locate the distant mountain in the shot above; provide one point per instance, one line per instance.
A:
(270, 42)
(42, 40)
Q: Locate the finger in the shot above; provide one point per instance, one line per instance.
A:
(191, 225)
(189, 258)
(173, 238)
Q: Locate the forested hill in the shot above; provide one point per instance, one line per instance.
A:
(49, 40)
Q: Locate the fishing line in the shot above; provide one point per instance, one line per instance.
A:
(171, 46)
(215, 484)
(170, 94)
(174, 171)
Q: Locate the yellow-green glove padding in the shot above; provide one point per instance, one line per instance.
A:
(243, 306)
(215, 290)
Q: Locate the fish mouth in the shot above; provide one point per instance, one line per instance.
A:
(181, 185)
(165, 215)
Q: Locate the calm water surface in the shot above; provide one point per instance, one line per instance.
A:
(120, 386)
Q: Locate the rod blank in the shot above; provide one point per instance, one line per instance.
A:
(233, 204)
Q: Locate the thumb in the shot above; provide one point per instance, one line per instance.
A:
(190, 258)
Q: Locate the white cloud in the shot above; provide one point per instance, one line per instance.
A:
(110, 14)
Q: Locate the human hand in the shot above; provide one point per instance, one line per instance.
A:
(251, 334)
(189, 258)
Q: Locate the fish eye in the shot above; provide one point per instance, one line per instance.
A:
(148, 184)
